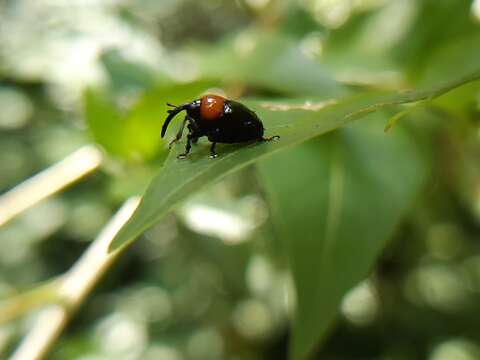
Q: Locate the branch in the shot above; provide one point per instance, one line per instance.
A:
(48, 182)
(74, 286)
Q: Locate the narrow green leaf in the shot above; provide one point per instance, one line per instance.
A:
(136, 134)
(104, 122)
(144, 122)
(295, 124)
(335, 208)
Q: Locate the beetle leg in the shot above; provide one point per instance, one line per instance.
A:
(213, 154)
(275, 137)
(187, 148)
(179, 133)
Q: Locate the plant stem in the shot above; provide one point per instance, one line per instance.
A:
(23, 303)
(74, 286)
(49, 181)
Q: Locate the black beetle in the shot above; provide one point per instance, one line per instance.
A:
(219, 119)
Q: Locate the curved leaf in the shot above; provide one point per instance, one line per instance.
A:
(359, 183)
(295, 124)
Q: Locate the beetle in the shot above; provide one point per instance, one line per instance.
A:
(219, 119)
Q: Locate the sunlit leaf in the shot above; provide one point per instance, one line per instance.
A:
(179, 178)
(135, 134)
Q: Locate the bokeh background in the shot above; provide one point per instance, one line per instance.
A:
(211, 280)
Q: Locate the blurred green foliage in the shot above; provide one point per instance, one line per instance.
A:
(376, 231)
(338, 177)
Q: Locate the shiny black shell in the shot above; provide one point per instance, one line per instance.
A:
(236, 124)
(219, 119)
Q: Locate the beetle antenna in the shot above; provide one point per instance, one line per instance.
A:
(171, 105)
(171, 114)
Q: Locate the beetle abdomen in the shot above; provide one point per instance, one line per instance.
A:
(236, 126)
(236, 134)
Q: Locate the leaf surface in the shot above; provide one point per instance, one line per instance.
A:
(293, 123)
(335, 202)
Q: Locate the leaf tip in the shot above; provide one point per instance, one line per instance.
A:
(119, 228)
(114, 245)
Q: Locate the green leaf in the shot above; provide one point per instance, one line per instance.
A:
(450, 61)
(135, 134)
(104, 121)
(295, 124)
(334, 209)
(458, 57)
(428, 32)
(126, 75)
(268, 61)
